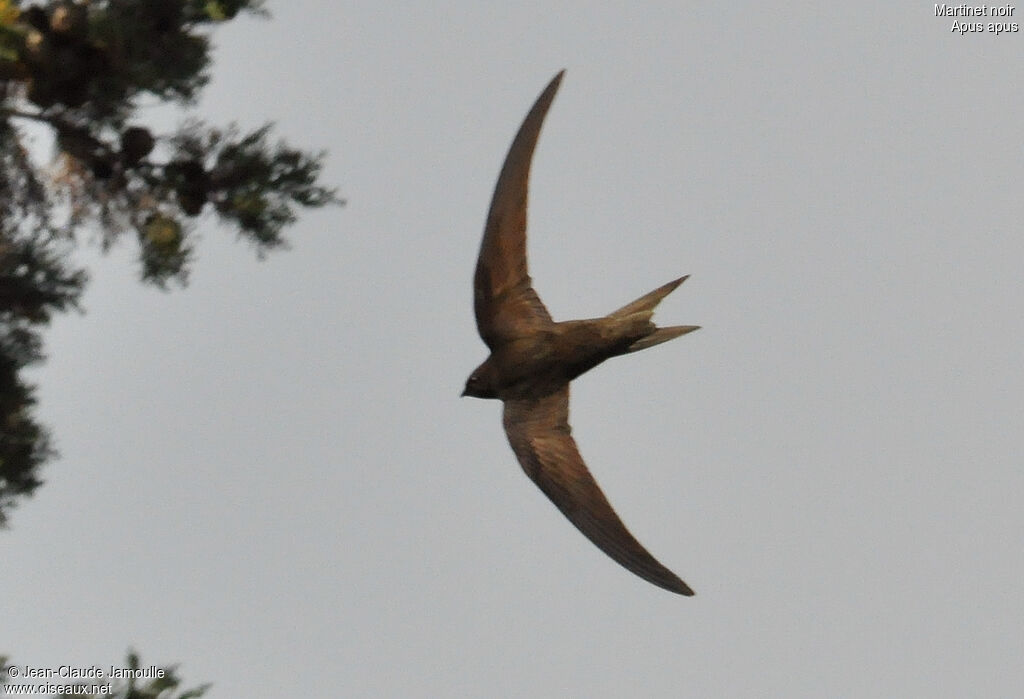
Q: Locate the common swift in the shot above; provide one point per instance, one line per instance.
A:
(533, 359)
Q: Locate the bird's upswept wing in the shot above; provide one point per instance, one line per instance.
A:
(505, 302)
(539, 432)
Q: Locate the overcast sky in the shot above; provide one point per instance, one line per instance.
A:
(270, 479)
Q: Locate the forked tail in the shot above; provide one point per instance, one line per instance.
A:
(645, 305)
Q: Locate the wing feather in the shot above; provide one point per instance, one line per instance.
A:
(539, 432)
(505, 302)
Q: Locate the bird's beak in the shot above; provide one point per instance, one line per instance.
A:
(463, 394)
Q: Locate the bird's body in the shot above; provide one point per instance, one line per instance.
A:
(540, 363)
(533, 359)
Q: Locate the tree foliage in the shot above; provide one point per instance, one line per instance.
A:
(79, 70)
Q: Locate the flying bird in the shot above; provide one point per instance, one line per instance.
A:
(533, 359)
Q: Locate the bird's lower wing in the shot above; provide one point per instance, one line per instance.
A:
(539, 432)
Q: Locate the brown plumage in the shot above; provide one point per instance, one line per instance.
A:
(533, 359)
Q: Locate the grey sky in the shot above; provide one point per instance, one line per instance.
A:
(270, 479)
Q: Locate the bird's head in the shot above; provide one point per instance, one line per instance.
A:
(480, 383)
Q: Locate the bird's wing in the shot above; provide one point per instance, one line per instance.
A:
(539, 432)
(503, 297)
